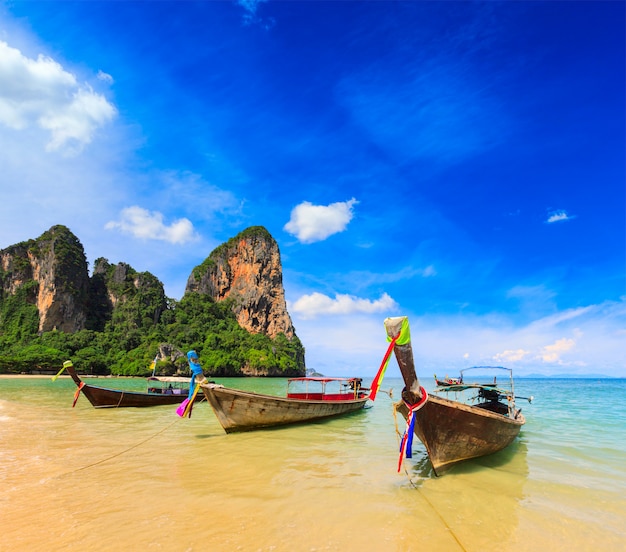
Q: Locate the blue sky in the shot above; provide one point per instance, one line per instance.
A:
(460, 163)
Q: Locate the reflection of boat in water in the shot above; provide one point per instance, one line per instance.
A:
(161, 391)
(315, 398)
(512, 460)
(481, 501)
(453, 430)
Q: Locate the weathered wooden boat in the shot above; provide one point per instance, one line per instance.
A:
(453, 430)
(447, 381)
(307, 399)
(161, 391)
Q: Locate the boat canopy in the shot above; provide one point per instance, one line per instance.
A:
(323, 388)
(322, 379)
(170, 379)
(487, 368)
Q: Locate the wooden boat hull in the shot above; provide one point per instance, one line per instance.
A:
(102, 397)
(453, 432)
(244, 411)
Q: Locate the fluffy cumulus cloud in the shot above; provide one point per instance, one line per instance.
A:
(552, 353)
(558, 216)
(311, 223)
(144, 224)
(310, 306)
(40, 93)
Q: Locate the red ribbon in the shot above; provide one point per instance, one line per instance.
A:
(376, 382)
(76, 395)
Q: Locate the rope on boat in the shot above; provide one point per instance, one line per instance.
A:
(400, 437)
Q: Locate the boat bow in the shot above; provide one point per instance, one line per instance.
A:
(451, 431)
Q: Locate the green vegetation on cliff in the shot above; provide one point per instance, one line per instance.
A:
(131, 339)
(117, 320)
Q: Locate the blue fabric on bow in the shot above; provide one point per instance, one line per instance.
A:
(196, 370)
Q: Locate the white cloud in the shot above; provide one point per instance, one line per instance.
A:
(40, 93)
(559, 216)
(144, 224)
(562, 317)
(552, 353)
(589, 340)
(347, 346)
(511, 356)
(311, 223)
(73, 124)
(310, 306)
(105, 77)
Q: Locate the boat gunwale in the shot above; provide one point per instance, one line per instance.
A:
(321, 379)
(242, 393)
(132, 392)
(474, 409)
(170, 379)
(107, 397)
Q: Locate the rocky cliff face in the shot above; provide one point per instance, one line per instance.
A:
(113, 285)
(248, 270)
(51, 272)
(53, 269)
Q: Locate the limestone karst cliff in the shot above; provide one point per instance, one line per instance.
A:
(51, 273)
(121, 316)
(247, 268)
(56, 263)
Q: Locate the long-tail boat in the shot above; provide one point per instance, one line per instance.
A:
(161, 391)
(448, 381)
(452, 430)
(307, 399)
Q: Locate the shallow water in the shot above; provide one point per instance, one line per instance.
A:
(144, 479)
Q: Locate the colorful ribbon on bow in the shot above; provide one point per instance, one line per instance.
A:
(406, 443)
(402, 338)
(184, 410)
(381, 371)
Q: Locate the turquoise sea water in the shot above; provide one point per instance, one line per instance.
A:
(144, 479)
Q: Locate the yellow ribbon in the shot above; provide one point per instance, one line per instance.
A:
(65, 365)
(190, 403)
